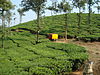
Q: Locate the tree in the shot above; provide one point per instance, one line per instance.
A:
(66, 8)
(98, 5)
(90, 3)
(14, 17)
(37, 6)
(80, 4)
(53, 8)
(5, 5)
(8, 17)
(21, 13)
(98, 8)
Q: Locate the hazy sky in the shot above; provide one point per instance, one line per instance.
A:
(30, 15)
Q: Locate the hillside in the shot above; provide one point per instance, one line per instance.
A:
(22, 56)
(55, 24)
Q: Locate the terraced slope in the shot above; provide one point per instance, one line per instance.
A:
(21, 56)
(56, 24)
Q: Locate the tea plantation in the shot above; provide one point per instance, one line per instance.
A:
(55, 24)
(21, 56)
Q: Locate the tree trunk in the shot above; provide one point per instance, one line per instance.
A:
(38, 25)
(89, 15)
(3, 23)
(98, 8)
(66, 24)
(9, 32)
(79, 20)
(20, 19)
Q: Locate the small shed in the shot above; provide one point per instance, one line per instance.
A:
(53, 36)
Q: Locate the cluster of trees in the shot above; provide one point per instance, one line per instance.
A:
(64, 6)
(38, 7)
(5, 15)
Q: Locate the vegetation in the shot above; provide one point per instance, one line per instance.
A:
(4, 7)
(66, 8)
(80, 4)
(27, 51)
(87, 32)
(37, 6)
(98, 5)
(23, 56)
(90, 4)
(21, 13)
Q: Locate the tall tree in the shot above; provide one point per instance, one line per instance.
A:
(66, 8)
(98, 5)
(21, 13)
(90, 3)
(80, 4)
(5, 5)
(52, 7)
(98, 8)
(8, 17)
(37, 6)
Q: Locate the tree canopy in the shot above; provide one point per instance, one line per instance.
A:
(21, 13)
(33, 4)
(64, 6)
(5, 5)
(37, 6)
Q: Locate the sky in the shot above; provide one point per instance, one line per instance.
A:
(30, 15)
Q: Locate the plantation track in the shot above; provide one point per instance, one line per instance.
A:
(93, 50)
(94, 54)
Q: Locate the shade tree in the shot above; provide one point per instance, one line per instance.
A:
(90, 3)
(80, 4)
(37, 6)
(98, 5)
(5, 5)
(21, 13)
(65, 7)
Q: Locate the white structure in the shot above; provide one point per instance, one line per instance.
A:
(88, 69)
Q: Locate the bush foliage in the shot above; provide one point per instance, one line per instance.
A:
(56, 24)
(21, 56)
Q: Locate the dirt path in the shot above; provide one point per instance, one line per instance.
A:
(94, 54)
(93, 50)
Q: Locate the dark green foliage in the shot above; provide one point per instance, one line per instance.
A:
(23, 57)
(55, 24)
